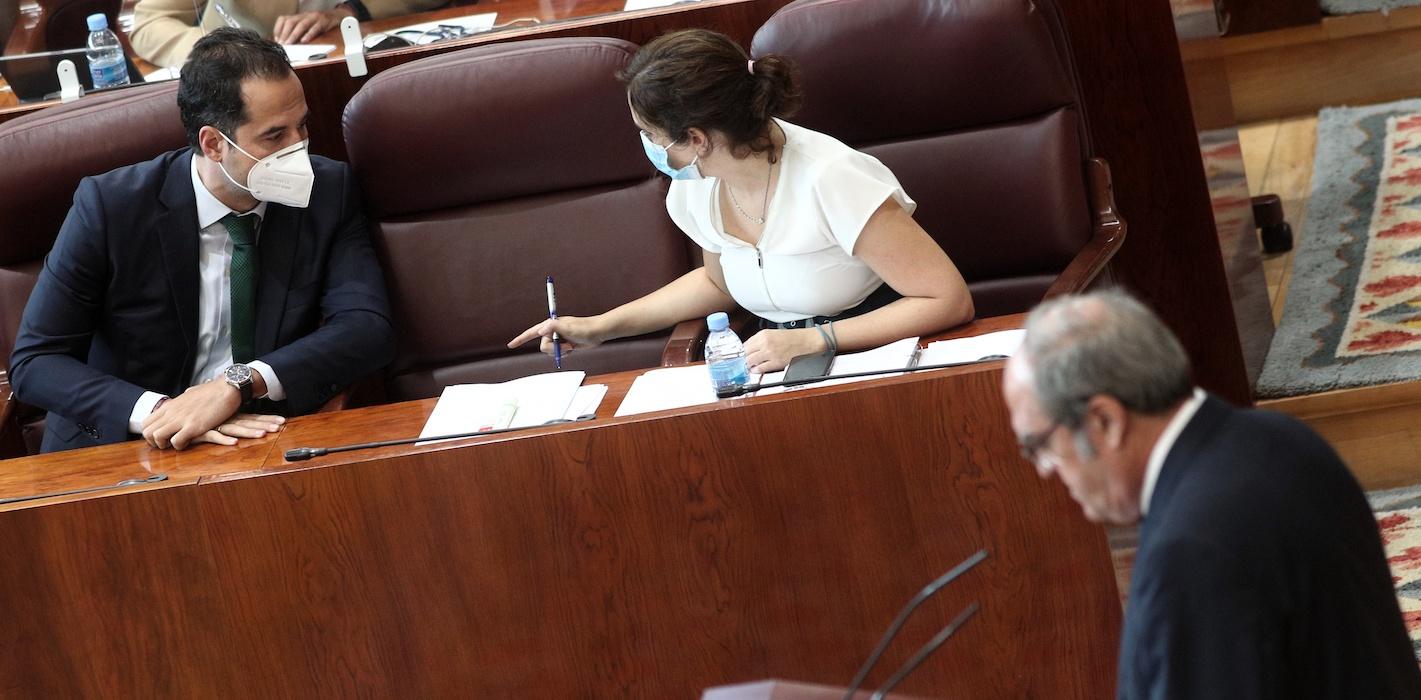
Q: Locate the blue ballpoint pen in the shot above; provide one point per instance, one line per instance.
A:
(552, 314)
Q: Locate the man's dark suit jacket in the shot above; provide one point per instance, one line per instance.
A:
(1260, 573)
(115, 309)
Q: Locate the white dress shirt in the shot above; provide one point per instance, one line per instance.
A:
(804, 264)
(214, 302)
(1165, 443)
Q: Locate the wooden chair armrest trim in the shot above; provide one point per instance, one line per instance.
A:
(1106, 240)
(12, 436)
(687, 342)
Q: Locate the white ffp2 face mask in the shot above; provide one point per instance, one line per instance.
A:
(284, 177)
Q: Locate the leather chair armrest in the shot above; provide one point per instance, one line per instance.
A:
(1105, 241)
(686, 344)
(12, 435)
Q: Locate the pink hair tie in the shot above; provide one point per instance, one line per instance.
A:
(750, 66)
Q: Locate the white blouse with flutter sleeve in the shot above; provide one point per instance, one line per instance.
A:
(803, 265)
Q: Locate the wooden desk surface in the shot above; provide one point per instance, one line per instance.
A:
(519, 18)
(646, 556)
(110, 464)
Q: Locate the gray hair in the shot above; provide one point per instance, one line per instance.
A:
(1106, 342)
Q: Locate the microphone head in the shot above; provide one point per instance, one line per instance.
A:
(301, 454)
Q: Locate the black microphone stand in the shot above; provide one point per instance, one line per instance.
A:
(913, 604)
(301, 454)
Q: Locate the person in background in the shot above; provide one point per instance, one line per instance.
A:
(815, 238)
(164, 31)
(187, 292)
(1260, 571)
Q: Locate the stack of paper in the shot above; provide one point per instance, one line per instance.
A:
(521, 403)
(430, 32)
(895, 355)
(668, 387)
(973, 349)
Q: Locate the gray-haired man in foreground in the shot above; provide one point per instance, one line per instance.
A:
(1260, 571)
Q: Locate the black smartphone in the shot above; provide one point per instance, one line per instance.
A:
(809, 366)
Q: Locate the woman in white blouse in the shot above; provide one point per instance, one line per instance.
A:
(797, 228)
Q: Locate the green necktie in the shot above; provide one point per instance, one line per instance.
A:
(242, 229)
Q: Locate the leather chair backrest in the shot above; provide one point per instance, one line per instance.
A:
(66, 21)
(974, 105)
(45, 156)
(485, 171)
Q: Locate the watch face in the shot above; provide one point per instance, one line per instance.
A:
(239, 374)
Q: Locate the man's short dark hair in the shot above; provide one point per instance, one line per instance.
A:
(210, 85)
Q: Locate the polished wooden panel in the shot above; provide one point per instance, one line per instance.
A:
(1252, 16)
(651, 556)
(113, 597)
(1137, 103)
(107, 465)
(786, 690)
(1346, 59)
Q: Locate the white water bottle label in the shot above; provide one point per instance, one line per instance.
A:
(106, 73)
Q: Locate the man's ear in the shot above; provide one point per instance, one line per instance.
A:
(1107, 418)
(210, 142)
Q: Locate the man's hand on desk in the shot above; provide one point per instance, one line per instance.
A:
(303, 28)
(205, 413)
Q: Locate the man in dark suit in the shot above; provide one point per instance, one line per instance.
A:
(236, 273)
(1260, 571)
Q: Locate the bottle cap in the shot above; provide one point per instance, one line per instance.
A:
(718, 321)
(98, 22)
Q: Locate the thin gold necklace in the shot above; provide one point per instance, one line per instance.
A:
(759, 221)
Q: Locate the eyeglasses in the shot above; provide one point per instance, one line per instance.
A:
(1032, 444)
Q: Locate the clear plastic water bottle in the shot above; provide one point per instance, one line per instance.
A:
(725, 355)
(106, 61)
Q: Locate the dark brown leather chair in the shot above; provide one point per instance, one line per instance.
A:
(63, 24)
(46, 154)
(974, 106)
(486, 170)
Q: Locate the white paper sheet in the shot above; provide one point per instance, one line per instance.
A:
(299, 53)
(158, 74)
(586, 401)
(973, 348)
(472, 24)
(901, 353)
(541, 398)
(668, 387)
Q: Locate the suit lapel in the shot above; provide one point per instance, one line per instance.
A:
(178, 238)
(1182, 455)
(276, 245)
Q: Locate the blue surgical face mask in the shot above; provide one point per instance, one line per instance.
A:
(658, 157)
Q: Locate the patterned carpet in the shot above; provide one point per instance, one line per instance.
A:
(1398, 514)
(1353, 312)
(1349, 7)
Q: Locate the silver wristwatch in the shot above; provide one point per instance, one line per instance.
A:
(239, 377)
